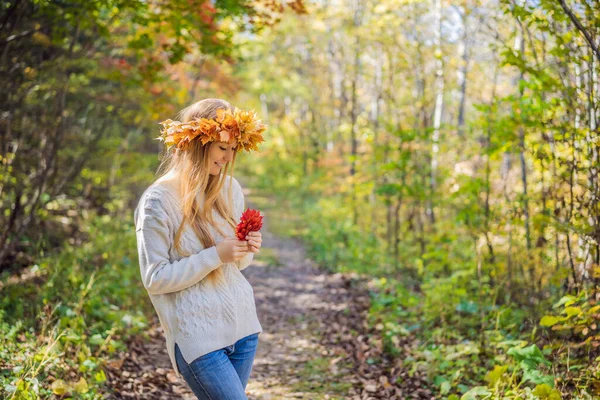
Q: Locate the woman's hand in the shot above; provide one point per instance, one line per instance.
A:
(254, 239)
(231, 249)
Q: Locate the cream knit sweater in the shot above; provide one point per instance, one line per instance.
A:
(199, 316)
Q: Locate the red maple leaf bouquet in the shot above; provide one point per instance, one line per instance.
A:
(251, 221)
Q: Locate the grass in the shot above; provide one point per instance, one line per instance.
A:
(318, 375)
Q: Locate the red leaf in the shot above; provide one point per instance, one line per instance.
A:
(251, 221)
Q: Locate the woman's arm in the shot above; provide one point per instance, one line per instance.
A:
(245, 261)
(153, 242)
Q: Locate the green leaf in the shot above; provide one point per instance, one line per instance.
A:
(532, 355)
(81, 386)
(538, 377)
(495, 375)
(445, 387)
(545, 391)
(468, 307)
(475, 392)
(59, 387)
(549, 320)
(100, 376)
(571, 311)
(565, 300)
(96, 339)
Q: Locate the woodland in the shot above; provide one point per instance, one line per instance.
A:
(446, 152)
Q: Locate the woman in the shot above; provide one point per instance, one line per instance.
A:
(190, 259)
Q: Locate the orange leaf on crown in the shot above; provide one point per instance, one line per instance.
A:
(228, 123)
(240, 124)
(250, 221)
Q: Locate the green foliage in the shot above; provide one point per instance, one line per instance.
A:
(75, 310)
(577, 318)
(466, 337)
(529, 359)
(86, 81)
(465, 247)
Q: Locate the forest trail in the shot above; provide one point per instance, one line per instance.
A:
(314, 343)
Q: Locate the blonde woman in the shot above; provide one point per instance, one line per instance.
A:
(190, 259)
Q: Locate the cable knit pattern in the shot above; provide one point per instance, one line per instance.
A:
(243, 290)
(197, 315)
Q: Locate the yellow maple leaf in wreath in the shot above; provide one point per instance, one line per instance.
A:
(240, 124)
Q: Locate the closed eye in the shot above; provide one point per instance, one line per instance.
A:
(234, 149)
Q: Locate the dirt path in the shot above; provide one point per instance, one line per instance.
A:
(315, 343)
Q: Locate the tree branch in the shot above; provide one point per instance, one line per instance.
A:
(581, 28)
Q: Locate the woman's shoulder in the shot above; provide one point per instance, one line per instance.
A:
(235, 186)
(157, 199)
(164, 195)
(234, 182)
(159, 191)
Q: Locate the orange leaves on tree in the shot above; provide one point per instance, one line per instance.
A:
(206, 13)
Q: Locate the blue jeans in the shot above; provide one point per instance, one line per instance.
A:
(222, 374)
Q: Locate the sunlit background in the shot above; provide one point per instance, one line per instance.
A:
(447, 152)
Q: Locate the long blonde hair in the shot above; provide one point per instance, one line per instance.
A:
(191, 170)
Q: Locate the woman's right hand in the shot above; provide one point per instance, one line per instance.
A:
(231, 249)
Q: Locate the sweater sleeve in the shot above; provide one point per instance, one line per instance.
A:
(159, 275)
(238, 198)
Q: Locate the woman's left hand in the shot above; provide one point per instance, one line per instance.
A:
(254, 239)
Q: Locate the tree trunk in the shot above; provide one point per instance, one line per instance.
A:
(439, 104)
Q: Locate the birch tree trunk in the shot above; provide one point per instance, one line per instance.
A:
(462, 73)
(439, 104)
(357, 22)
(375, 111)
(520, 47)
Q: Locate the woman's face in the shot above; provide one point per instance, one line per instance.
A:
(219, 154)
